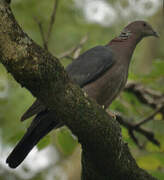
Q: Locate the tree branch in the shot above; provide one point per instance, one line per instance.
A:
(41, 32)
(105, 155)
(52, 21)
(149, 118)
(75, 51)
(149, 97)
(46, 37)
(133, 128)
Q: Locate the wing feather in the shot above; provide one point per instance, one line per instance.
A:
(85, 69)
(90, 65)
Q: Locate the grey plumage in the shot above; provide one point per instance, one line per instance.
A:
(90, 65)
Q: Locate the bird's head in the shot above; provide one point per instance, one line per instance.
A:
(140, 29)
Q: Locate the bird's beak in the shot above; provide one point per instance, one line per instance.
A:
(155, 34)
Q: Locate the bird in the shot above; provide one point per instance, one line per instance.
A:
(101, 72)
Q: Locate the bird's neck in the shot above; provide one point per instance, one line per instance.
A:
(126, 38)
(125, 44)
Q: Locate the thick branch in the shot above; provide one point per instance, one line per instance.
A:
(105, 155)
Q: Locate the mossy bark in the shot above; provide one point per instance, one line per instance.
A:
(105, 156)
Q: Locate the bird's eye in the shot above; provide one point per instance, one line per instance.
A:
(144, 24)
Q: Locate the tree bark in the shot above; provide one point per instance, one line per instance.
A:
(105, 156)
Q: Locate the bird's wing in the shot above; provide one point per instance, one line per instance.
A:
(85, 69)
(90, 65)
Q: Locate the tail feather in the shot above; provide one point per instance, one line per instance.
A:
(42, 124)
(35, 108)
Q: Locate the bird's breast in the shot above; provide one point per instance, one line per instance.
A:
(105, 88)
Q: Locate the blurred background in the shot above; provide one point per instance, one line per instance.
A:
(84, 24)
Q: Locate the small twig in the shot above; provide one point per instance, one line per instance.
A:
(149, 135)
(131, 134)
(75, 51)
(52, 22)
(41, 32)
(149, 97)
(78, 49)
(46, 37)
(67, 54)
(132, 128)
(149, 118)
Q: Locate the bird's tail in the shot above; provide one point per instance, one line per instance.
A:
(34, 109)
(42, 124)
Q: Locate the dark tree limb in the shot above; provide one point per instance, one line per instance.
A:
(132, 128)
(105, 156)
(149, 97)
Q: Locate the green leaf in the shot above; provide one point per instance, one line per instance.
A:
(149, 162)
(44, 142)
(65, 141)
